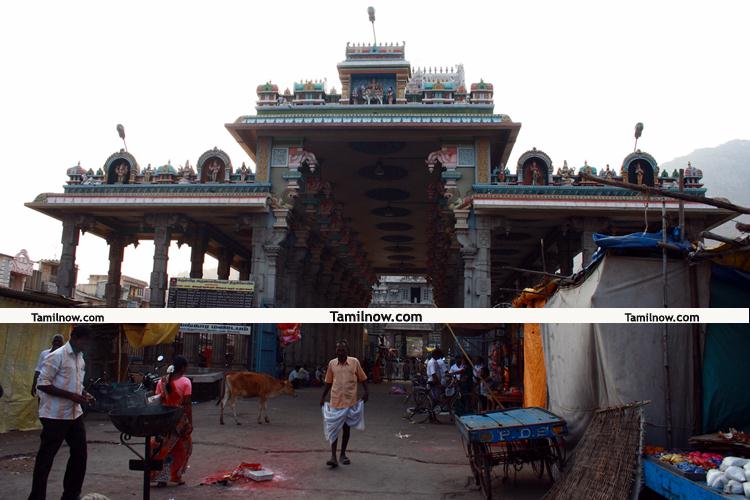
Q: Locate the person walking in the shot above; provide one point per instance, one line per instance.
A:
(175, 390)
(62, 399)
(343, 411)
(57, 342)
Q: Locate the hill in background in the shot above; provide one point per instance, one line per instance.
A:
(726, 174)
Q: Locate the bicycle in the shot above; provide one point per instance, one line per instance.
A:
(453, 402)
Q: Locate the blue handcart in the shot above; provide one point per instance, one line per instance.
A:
(512, 438)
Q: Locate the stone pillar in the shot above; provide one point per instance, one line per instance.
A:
(225, 263)
(162, 240)
(566, 255)
(310, 274)
(198, 246)
(566, 250)
(245, 270)
(113, 289)
(482, 269)
(588, 247)
(475, 252)
(266, 250)
(66, 273)
(325, 278)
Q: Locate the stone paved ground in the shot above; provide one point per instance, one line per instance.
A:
(427, 461)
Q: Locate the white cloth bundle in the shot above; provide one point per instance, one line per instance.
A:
(735, 473)
(746, 489)
(711, 474)
(716, 481)
(733, 487)
(335, 418)
(733, 462)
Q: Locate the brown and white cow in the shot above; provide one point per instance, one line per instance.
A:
(250, 385)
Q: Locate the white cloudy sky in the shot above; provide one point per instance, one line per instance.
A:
(578, 75)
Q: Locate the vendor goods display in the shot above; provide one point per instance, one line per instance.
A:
(729, 475)
(692, 465)
(735, 436)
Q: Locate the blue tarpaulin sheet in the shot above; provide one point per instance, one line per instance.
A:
(635, 241)
(639, 240)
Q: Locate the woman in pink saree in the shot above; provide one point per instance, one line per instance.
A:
(175, 390)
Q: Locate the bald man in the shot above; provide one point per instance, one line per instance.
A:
(344, 410)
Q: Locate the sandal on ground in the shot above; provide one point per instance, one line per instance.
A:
(161, 484)
(345, 460)
(332, 464)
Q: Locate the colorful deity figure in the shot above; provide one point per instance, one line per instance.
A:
(536, 174)
(587, 168)
(148, 173)
(244, 172)
(184, 175)
(608, 173)
(213, 170)
(390, 97)
(189, 170)
(638, 174)
(121, 170)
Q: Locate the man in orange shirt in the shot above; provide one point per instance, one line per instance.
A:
(344, 411)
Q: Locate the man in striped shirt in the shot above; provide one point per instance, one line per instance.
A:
(62, 399)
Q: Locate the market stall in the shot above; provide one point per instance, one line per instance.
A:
(696, 475)
(504, 347)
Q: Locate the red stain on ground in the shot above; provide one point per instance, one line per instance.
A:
(227, 477)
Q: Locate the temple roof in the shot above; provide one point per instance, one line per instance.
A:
(482, 85)
(267, 87)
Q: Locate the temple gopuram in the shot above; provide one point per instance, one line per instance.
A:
(404, 171)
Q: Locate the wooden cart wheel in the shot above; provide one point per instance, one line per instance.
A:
(486, 477)
(557, 460)
(472, 460)
(484, 466)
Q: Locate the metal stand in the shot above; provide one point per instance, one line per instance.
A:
(146, 462)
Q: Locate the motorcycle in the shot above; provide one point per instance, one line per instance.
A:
(149, 381)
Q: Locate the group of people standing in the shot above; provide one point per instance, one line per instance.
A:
(63, 401)
(470, 377)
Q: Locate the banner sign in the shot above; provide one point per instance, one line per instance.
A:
(216, 328)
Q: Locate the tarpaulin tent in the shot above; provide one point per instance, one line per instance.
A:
(20, 345)
(146, 334)
(593, 366)
(727, 354)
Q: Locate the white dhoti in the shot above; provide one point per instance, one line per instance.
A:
(335, 418)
